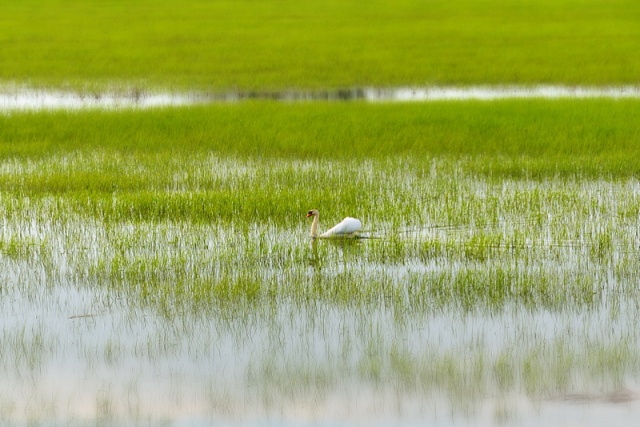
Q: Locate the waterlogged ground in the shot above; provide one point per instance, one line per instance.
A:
(195, 294)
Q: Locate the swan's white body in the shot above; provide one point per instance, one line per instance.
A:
(348, 227)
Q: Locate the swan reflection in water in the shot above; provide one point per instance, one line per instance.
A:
(345, 248)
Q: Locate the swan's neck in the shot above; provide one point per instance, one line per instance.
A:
(314, 226)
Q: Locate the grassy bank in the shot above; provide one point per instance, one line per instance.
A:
(309, 44)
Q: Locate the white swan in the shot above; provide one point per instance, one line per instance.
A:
(349, 227)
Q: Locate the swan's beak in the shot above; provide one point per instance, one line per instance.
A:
(308, 215)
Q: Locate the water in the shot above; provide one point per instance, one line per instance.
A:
(24, 98)
(83, 357)
(116, 321)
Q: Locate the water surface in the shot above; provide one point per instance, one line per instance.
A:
(480, 313)
(24, 98)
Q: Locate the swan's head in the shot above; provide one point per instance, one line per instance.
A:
(313, 212)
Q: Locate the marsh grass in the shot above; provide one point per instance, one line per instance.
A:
(520, 139)
(196, 262)
(310, 44)
(156, 266)
(160, 252)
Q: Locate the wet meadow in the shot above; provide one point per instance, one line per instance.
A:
(157, 265)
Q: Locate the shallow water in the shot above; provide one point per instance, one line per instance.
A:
(21, 98)
(68, 359)
(492, 318)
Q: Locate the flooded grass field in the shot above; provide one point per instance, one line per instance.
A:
(156, 266)
(196, 294)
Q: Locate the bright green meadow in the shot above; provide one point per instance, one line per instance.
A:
(310, 44)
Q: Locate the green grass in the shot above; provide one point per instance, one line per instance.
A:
(156, 183)
(223, 45)
(511, 138)
(154, 258)
(182, 230)
(232, 232)
(174, 240)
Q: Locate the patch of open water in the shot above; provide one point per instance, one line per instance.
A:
(22, 98)
(130, 367)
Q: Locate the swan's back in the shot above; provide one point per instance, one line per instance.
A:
(348, 226)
